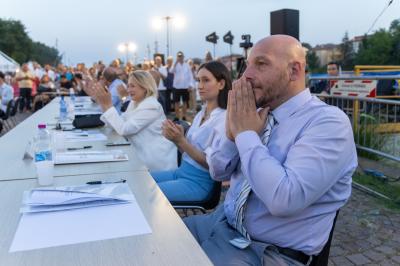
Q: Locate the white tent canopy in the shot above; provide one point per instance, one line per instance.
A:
(7, 64)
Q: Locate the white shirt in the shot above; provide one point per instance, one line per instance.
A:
(51, 74)
(182, 76)
(7, 94)
(201, 136)
(164, 73)
(38, 73)
(141, 123)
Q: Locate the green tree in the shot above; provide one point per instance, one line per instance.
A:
(346, 48)
(14, 40)
(311, 58)
(395, 32)
(376, 49)
(16, 43)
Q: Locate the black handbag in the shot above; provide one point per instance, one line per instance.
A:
(87, 121)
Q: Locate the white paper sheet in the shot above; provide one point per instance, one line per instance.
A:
(85, 136)
(74, 197)
(51, 229)
(90, 157)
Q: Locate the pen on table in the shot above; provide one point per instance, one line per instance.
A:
(98, 182)
(80, 148)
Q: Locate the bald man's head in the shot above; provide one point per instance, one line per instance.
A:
(110, 74)
(276, 69)
(283, 47)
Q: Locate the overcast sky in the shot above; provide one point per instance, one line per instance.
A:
(89, 30)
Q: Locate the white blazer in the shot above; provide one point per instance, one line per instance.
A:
(141, 123)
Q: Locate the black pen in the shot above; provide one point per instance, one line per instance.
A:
(81, 148)
(98, 182)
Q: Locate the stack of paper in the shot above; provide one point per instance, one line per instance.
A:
(78, 136)
(65, 198)
(90, 156)
(44, 224)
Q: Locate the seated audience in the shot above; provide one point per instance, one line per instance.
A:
(44, 93)
(192, 181)
(6, 95)
(141, 122)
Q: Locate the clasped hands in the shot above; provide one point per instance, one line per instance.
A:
(242, 114)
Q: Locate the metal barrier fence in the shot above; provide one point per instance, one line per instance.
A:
(376, 123)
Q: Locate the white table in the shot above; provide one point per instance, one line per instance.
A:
(169, 244)
(14, 143)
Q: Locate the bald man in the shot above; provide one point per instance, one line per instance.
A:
(289, 158)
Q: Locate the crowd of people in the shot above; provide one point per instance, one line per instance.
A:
(176, 82)
(288, 156)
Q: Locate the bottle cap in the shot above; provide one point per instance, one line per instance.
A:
(41, 126)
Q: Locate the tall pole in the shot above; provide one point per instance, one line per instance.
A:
(230, 55)
(126, 52)
(214, 50)
(167, 19)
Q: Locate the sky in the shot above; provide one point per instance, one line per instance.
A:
(91, 30)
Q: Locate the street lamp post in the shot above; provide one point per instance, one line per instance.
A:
(177, 22)
(167, 19)
(127, 47)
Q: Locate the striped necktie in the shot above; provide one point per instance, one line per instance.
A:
(240, 203)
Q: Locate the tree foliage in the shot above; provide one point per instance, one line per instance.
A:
(311, 58)
(16, 43)
(376, 49)
(346, 48)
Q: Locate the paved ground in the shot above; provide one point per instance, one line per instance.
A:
(366, 232)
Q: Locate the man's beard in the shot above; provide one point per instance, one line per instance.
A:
(273, 91)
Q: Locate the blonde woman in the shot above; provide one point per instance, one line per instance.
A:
(141, 122)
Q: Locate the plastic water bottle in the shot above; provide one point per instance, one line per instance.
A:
(63, 109)
(72, 95)
(44, 156)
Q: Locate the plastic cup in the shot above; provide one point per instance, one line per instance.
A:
(45, 172)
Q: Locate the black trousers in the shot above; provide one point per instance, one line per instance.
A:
(26, 98)
(168, 101)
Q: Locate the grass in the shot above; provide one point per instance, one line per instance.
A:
(368, 137)
(389, 189)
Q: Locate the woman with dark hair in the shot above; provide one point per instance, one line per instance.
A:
(192, 180)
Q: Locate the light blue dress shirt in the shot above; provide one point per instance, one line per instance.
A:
(299, 180)
(116, 100)
(7, 94)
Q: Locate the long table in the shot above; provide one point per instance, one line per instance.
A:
(14, 143)
(170, 242)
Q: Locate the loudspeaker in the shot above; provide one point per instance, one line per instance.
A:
(285, 21)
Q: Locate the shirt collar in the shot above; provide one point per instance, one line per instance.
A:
(214, 112)
(292, 105)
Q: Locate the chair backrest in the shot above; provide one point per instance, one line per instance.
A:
(323, 256)
(210, 202)
(14, 108)
(186, 127)
(214, 197)
(10, 105)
